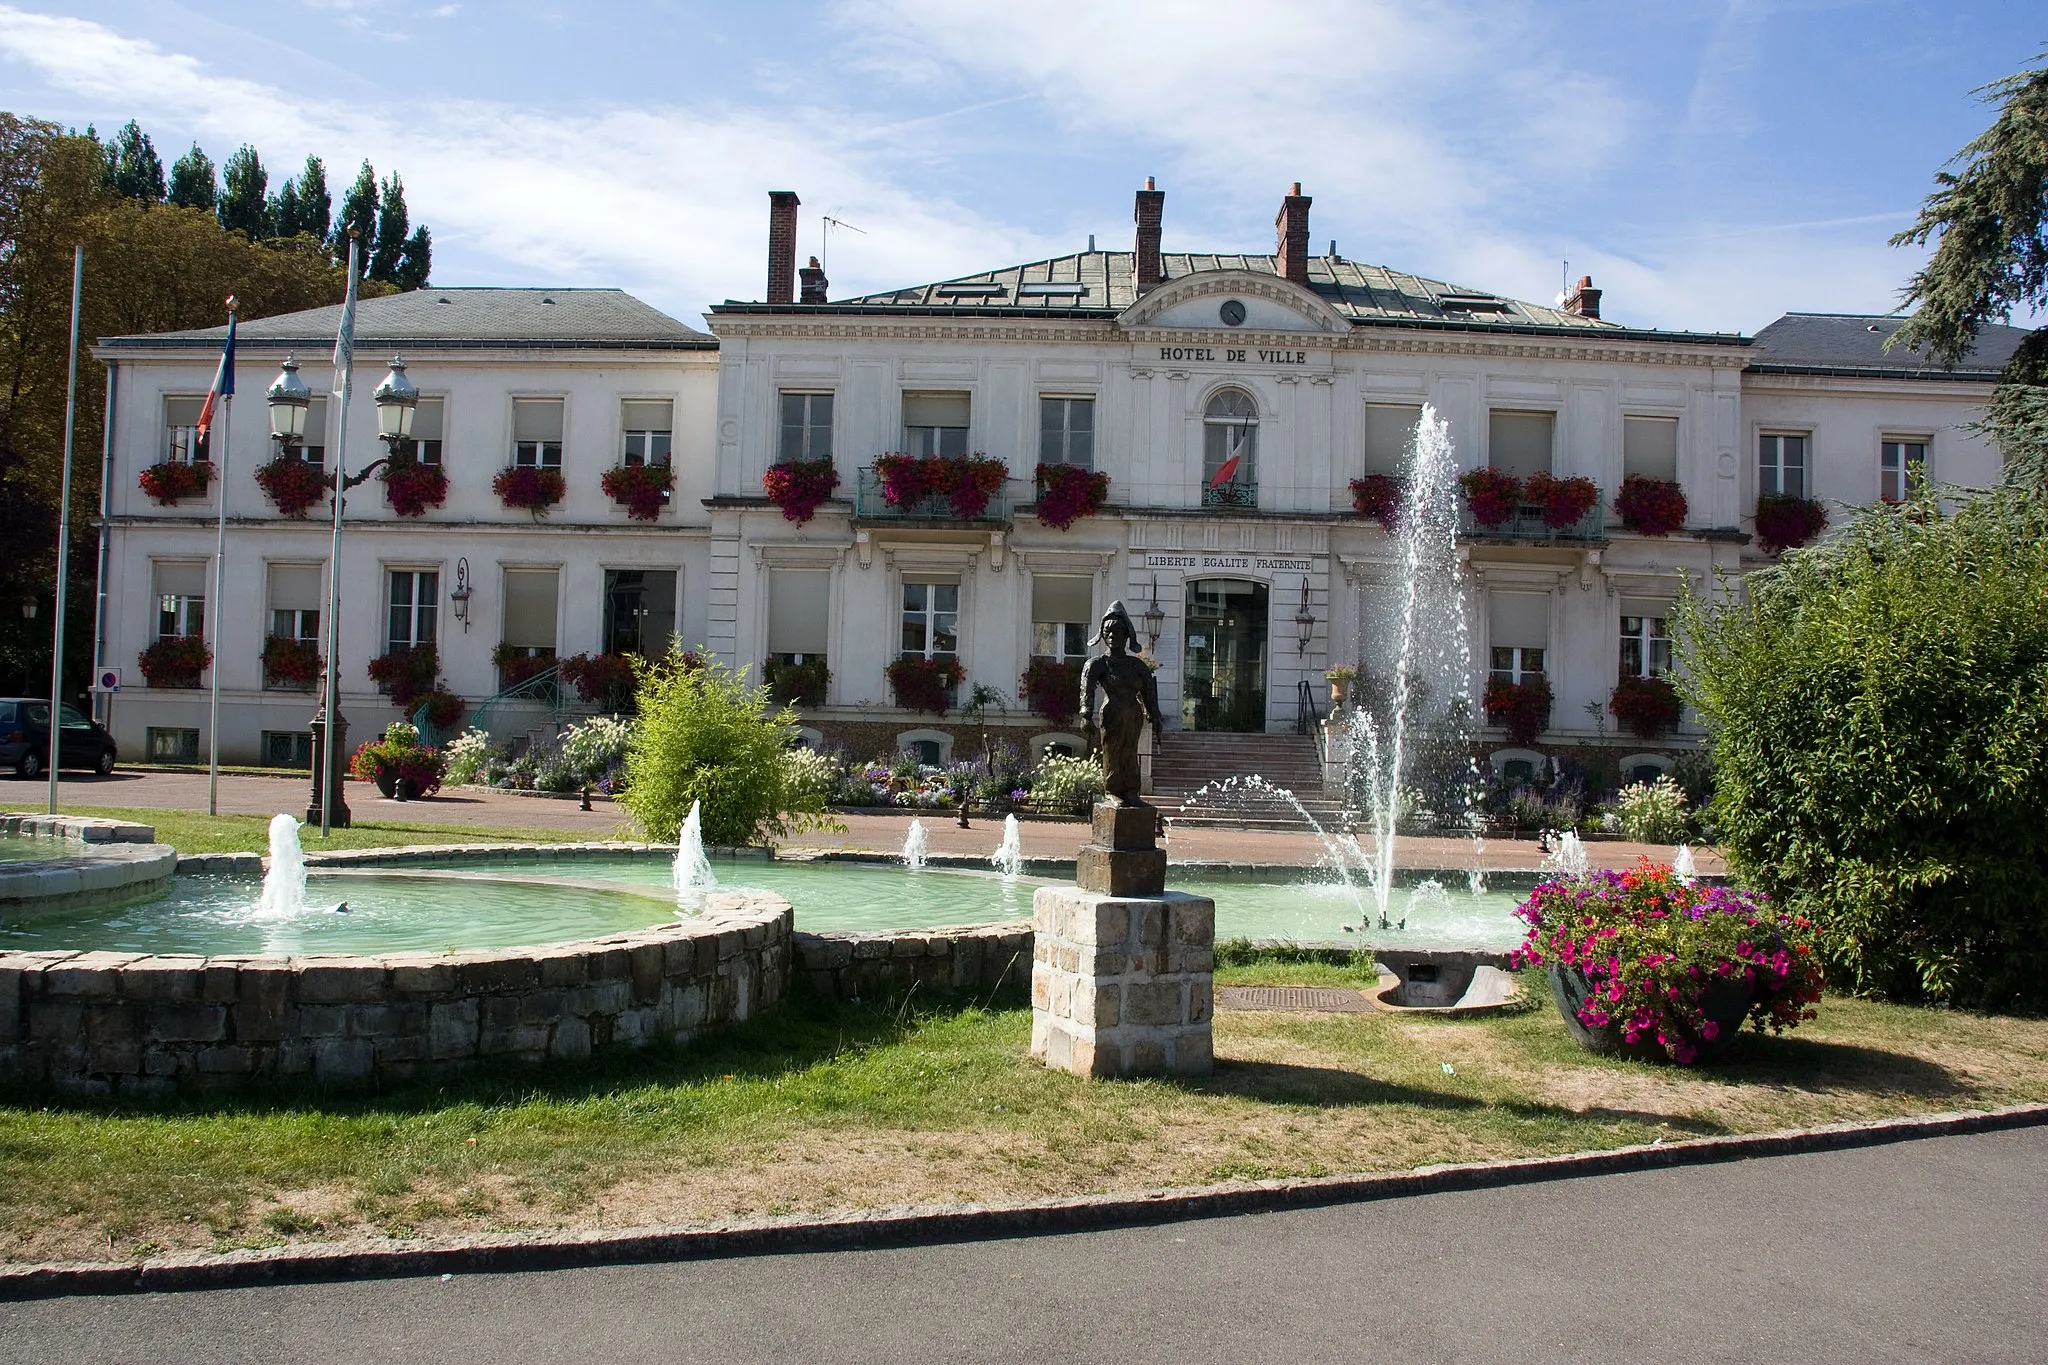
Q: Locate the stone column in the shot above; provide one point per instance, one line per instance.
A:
(1122, 972)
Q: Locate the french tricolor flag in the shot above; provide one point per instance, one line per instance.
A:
(223, 378)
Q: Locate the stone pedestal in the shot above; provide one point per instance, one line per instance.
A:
(1122, 985)
(1122, 859)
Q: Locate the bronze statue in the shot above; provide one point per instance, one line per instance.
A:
(1130, 698)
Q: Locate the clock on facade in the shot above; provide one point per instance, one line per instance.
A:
(1232, 312)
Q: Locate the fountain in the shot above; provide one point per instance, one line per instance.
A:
(1009, 855)
(1564, 856)
(284, 885)
(1682, 866)
(692, 871)
(915, 844)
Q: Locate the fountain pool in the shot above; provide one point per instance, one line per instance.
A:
(508, 902)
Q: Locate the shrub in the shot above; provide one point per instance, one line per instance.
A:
(1563, 501)
(596, 751)
(793, 684)
(1647, 707)
(1052, 689)
(1004, 781)
(1652, 812)
(174, 479)
(1785, 522)
(1878, 711)
(529, 488)
(466, 755)
(1491, 496)
(1522, 707)
(922, 684)
(1377, 497)
(800, 487)
(866, 785)
(399, 758)
(707, 735)
(1652, 946)
(411, 487)
(554, 773)
(290, 662)
(642, 488)
(1063, 783)
(406, 673)
(292, 485)
(1650, 507)
(814, 777)
(605, 679)
(175, 661)
(1067, 492)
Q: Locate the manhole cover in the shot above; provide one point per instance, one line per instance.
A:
(1323, 999)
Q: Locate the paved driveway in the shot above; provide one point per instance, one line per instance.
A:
(1928, 1251)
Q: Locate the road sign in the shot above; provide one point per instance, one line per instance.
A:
(108, 680)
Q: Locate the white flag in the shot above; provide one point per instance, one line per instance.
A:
(345, 339)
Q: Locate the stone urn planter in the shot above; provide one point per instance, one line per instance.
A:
(390, 784)
(1727, 1003)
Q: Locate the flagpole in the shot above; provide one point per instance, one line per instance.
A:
(344, 357)
(220, 563)
(64, 528)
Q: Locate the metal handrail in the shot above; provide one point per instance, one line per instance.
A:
(545, 685)
(1307, 715)
(1527, 524)
(869, 504)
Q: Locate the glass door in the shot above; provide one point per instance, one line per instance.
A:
(1224, 683)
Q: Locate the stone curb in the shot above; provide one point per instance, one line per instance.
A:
(926, 1224)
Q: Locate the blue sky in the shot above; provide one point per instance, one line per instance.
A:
(1710, 164)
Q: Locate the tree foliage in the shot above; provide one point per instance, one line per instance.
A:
(134, 171)
(193, 185)
(707, 735)
(358, 215)
(244, 207)
(1879, 717)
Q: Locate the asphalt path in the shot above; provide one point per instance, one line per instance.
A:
(1927, 1251)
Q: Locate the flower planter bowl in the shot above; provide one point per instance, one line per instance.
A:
(1726, 1003)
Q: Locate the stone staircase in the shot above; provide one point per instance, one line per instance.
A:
(1185, 761)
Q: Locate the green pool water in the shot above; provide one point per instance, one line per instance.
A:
(502, 904)
(15, 849)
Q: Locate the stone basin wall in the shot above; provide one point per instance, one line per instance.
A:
(99, 1023)
(978, 958)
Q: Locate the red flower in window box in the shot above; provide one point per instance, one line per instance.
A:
(1648, 708)
(443, 708)
(1650, 507)
(801, 684)
(175, 661)
(1491, 496)
(1377, 497)
(965, 481)
(800, 487)
(515, 663)
(603, 678)
(292, 485)
(1052, 689)
(1067, 492)
(411, 487)
(1786, 522)
(174, 479)
(643, 488)
(290, 662)
(1563, 501)
(406, 673)
(1523, 708)
(529, 488)
(922, 684)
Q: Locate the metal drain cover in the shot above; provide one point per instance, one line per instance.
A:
(1317, 999)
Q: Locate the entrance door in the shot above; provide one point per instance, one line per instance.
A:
(1224, 683)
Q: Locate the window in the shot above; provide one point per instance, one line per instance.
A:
(931, 617)
(1389, 432)
(649, 427)
(806, 428)
(180, 598)
(288, 748)
(295, 601)
(414, 598)
(1518, 634)
(1061, 607)
(537, 433)
(528, 629)
(1520, 443)
(639, 611)
(1649, 447)
(1066, 431)
(182, 442)
(1781, 464)
(429, 421)
(1901, 465)
(799, 603)
(172, 745)
(1230, 450)
(935, 423)
(1645, 640)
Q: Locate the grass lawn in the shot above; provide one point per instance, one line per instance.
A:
(197, 832)
(824, 1107)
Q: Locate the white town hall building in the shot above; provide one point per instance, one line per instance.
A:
(1230, 400)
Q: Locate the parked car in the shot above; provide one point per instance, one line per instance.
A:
(25, 738)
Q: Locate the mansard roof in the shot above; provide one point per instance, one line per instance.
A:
(1852, 345)
(609, 319)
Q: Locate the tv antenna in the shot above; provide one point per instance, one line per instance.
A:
(825, 237)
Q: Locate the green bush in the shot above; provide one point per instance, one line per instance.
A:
(706, 735)
(1063, 783)
(1879, 718)
(1652, 812)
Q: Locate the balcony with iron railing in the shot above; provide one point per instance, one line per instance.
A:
(1231, 493)
(1527, 522)
(962, 508)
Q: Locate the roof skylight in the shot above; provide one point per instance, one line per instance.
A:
(974, 291)
(1070, 289)
(1472, 303)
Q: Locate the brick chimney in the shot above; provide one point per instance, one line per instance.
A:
(814, 283)
(1291, 230)
(1583, 299)
(782, 246)
(1151, 209)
